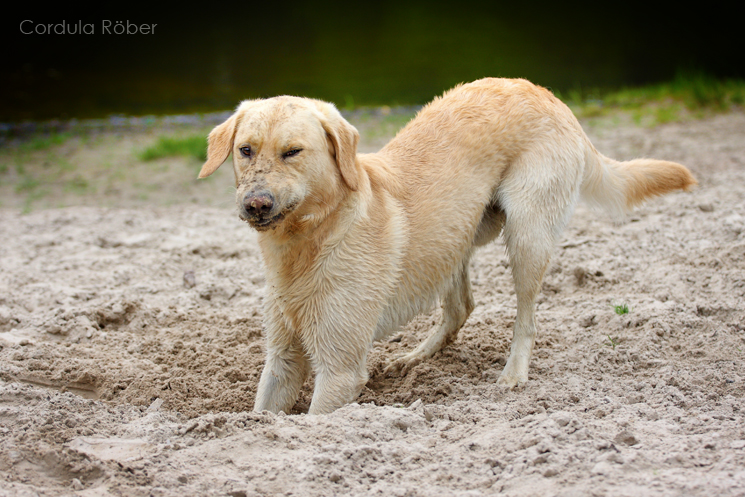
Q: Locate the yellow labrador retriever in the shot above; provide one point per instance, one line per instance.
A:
(355, 246)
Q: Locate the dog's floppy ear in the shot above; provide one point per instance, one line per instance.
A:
(344, 137)
(219, 145)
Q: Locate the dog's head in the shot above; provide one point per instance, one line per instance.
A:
(292, 158)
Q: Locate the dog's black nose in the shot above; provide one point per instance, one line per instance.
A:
(258, 203)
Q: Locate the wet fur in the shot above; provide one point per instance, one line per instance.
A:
(366, 242)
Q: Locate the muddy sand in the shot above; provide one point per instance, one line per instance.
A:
(131, 346)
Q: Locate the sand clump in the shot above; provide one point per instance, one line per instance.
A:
(131, 347)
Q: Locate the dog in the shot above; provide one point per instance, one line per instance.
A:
(355, 245)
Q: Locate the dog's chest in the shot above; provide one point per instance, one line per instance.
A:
(328, 291)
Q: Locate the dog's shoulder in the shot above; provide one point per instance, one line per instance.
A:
(384, 175)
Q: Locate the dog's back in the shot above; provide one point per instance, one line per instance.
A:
(490, 156)
(454, 157)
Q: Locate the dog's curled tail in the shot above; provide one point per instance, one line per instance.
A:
(619, 186)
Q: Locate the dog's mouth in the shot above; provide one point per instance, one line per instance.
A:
(266, 223)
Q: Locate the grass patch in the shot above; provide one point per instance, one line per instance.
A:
(695, 90)
(667, 113)
(44, 142)
(621, 309)
(688, 93)
(191, 146)
(613, 341)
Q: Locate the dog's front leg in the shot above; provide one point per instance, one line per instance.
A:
(285, 369)
(341, 371)
(337, 385)
(284, 372)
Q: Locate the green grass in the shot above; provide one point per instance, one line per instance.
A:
(44, 142)
(695, 90)
(190, 146)
(689, 93)
(621, 309)
(667, 113)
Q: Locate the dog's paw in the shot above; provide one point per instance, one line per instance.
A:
(508, 382)
(511, 381)
(515, 372)
(402, 365)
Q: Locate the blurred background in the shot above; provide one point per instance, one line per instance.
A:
(207, 57)
(120, 120)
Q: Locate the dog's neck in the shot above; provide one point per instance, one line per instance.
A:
(310, 230)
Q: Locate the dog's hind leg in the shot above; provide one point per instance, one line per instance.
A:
(538, 202)
(457, 304)
(529, 262)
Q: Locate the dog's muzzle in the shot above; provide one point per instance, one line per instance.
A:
(257, 207)
(258, 204)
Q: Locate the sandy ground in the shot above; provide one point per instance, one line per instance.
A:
(131, 346)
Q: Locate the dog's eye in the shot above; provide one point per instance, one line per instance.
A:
(292, 152)
(246, 151)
